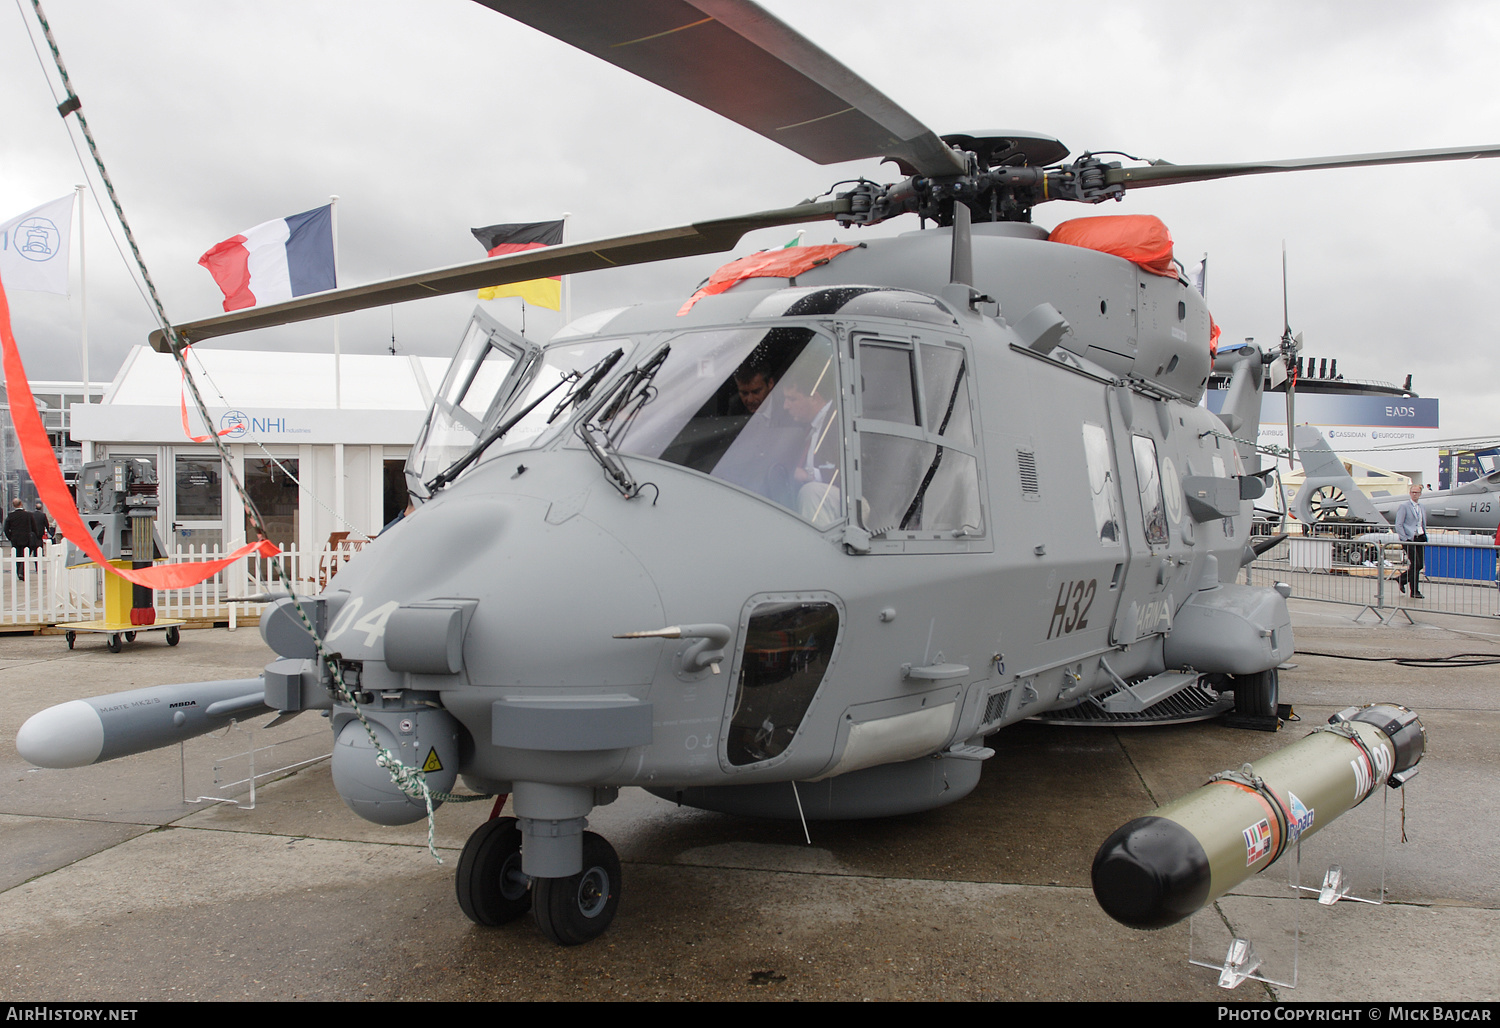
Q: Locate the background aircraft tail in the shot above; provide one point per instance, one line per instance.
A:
(1328, 491)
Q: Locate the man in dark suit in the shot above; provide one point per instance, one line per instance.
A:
(41, 529)
(19, 530)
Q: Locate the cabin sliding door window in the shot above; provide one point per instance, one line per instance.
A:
(1148, 478)
(1102, 486)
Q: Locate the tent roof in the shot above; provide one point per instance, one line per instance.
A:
(257, 378)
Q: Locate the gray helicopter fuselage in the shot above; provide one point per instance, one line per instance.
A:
(1089, 536)
(1471, 507)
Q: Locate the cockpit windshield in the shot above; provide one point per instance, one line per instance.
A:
(757, 406)
(546, 419)
(478, 378)
(489, 388)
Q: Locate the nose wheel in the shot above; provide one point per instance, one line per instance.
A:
(580, 907)
(492, 890)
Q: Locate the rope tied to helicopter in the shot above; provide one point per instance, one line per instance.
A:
(412, 782)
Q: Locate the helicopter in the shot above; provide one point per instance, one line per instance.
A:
(1330, 495)
(793, 549)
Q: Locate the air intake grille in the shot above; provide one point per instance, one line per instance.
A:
(1026, 461)
(994, 707)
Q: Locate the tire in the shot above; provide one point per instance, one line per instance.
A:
(115, 646)
(71, 637)
(491, 888)
(580, 907)
(130, 637)
(1257, 695)
(173, 636)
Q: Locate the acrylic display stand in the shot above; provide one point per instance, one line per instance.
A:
(240, 759)
(1253, 933)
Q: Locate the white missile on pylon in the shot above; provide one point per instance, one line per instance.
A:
(82, 732)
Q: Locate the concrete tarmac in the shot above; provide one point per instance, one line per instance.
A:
(114, 888)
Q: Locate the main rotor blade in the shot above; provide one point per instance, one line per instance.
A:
(1167, 174)
(640, 248)
(738, 60)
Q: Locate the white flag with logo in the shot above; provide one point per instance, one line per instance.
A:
(34, 248)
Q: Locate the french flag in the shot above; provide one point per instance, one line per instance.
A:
(276, 261)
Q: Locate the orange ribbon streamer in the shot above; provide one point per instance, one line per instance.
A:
(41, 462)
(182, 402)
(785, 263)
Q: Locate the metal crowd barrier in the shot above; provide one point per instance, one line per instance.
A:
(1350, 564)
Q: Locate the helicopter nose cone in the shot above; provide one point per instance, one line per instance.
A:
(552, 587)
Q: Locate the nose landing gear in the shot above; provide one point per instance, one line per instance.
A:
(579, 907)
(493, 890)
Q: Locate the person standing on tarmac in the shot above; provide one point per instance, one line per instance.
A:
(19, 530)
(41, 529)
(1411, 527)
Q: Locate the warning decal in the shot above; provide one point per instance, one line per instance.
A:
(432, 763)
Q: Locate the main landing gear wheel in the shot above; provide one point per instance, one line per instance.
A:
(173, 636)
(492, 890)
(578, 908)
(1257, 695)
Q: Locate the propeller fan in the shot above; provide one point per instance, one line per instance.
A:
(1329, 503)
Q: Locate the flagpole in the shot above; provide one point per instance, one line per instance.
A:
(333, 220)
(338, 382)
(567, 291)
(83, 294)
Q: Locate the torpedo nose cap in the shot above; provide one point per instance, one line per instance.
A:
(1151, 873)
(68, 735)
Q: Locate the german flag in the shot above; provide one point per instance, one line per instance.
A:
(502, 239)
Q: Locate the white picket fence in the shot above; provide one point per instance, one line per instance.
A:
(42, 590)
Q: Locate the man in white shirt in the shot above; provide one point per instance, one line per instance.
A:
(810, 404)
(1411, 527)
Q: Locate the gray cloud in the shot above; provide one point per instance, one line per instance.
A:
(427, 118)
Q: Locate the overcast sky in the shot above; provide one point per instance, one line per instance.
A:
(428, 117)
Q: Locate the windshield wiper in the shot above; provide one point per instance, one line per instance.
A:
(619, 408)
(573, 395)
(586, 389)
(597, 443)
(634, 392)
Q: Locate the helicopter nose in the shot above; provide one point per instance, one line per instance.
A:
(498, 588)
